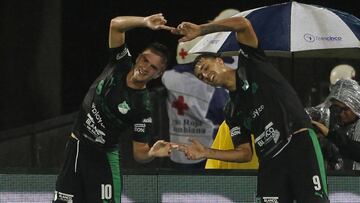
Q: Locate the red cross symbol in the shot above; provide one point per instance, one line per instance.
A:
(183, 53)
(180, 105)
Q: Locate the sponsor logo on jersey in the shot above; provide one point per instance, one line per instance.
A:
(63, 197)
(270, 199)
(139, 127)
(269, 134)
(235, 131)
(100, 139)
(123, 107)
(97, 115)
(147, 120)
(257, 111)
(122, 54)
(91, 127)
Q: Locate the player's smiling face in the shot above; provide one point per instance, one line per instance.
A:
(148, 66)
(209, 70)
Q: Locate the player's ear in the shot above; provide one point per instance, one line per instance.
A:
(163, 68)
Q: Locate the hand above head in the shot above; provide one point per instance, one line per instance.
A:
(156, 22)
(188, 30)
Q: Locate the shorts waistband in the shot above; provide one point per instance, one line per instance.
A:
(87, 142)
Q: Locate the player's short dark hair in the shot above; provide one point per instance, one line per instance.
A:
(160, 50)
(205, 55)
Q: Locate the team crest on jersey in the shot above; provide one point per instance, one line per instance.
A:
(254, 87)
(123, 107)
(99, 87)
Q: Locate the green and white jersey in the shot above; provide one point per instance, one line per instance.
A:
(110, 107)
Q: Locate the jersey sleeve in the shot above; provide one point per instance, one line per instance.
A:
(120, 55)
(238, 132)
(142, 120)
(141, 129)
(253, 63)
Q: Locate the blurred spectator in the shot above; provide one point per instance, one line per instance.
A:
(341, 71)
(195, 109)
(321, 114)
(344, 125)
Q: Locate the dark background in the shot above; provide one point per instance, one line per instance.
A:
(52, 50)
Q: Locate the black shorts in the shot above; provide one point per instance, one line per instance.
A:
(296, 173)
(88, 175)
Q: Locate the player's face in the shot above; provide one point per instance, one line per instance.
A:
(148, 66)
(209, 70)
(346, 114)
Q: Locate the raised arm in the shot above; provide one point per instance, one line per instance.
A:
(121, 24)
(245, 33)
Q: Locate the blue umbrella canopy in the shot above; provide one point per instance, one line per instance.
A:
(294, 28)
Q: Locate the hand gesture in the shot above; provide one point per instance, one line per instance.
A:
(323, 129)
(156, 22)
(193, 151)
(160, 149)
(188, 30)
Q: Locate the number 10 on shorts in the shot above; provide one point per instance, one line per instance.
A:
(106, 191)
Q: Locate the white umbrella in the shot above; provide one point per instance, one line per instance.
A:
(294, 28)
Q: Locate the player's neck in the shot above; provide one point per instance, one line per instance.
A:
(230, 82)
(133, 83)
